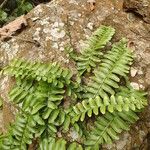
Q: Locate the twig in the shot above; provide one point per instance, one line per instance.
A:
(29, 41)
(3, 3)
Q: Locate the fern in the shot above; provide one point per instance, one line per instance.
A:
(106, 77)
(57, 144)
(21, 91)
(78, 128)
(43, 92)
(51, 143)
(107, 127)
(38, 71)
(125, 100)
(21, 133)
(137, 99)
(116, 63)
(91, 54)
(43, 128)
(53, 102)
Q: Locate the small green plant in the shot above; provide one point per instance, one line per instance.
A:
(3, 16)
(14, 8)
(62, 111)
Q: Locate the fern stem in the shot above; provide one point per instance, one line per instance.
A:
(105, 129)
(107, 76)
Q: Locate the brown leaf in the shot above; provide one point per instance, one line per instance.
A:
(12, 27)
(92, 4)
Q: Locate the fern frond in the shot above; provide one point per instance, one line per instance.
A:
(91, 54)
(21, 91)
(48, 129)
(125, 100)
(116, 63)
(38, 71)
(73, 89)
(21, 134)
(58, 144)
(37, 95)
(137, 99)
(77, 128)
(109, 126)
(52, 143)
(57, 117)
(75, 146)
(47, 104)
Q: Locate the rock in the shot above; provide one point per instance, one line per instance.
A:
(142, 134)
(122, 143)
(140, 72)
(147, 76)
(135, 85)
(74, 135)
(139, 7)
(60, 23)
(90, 25)
(141, 87)
(133, 72)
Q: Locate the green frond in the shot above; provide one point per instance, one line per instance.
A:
(77, 128)
(137, 99)
(39, 71)
(125, 100)
(46, 129)
(54, 117)
(52, 143)
(58, 144)
(73, 89)
(107, 127)
(91, 54)
(37, 95)
(21, 134)
(116, 63)
(75, 146)
(69, 51)
(21, 91)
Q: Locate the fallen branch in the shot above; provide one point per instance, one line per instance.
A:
(11, 28)
(3, 3)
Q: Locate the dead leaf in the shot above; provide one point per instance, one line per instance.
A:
(92, 4)
(12, 27)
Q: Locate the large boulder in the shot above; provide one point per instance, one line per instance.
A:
(53, 26)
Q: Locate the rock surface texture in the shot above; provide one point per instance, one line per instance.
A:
(54, 25)
(139, 7)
